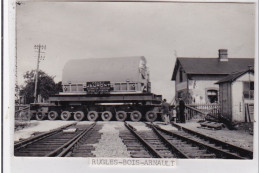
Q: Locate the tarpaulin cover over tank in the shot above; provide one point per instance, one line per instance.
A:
(102, 69)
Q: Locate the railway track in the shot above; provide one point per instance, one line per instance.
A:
(148, 145)
(77, 139)
(240, 153)
(197, 147)
(161, 143)
(60, 142)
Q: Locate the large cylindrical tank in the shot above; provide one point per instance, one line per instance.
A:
(121, 69)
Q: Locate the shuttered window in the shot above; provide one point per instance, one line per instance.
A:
(248, 90)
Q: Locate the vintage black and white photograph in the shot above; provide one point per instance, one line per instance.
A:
(146, 80)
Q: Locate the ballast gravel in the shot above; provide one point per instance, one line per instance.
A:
(139, 126)
(110, 144)
(84, 122)
(166, 127)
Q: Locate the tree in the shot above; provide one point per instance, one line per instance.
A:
(46, 85)
(58, 87)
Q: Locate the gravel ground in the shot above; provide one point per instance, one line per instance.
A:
(139, 126)
(38, 126)
(85, 122)
(110, 144)
(166, 127)
(239, 138)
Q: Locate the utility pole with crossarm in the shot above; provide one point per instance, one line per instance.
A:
(39, 48)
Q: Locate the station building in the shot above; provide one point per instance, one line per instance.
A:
(195, 78)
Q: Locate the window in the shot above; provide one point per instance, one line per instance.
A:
(212, 95)
(248, 90)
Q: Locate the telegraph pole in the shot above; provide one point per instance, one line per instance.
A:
(39, 48)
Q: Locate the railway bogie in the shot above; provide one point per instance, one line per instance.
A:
(121, 113)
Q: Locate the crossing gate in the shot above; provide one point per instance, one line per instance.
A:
(22, 112)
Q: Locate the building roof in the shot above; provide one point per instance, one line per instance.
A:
(118, 69)
(211, 66)
(233, 76)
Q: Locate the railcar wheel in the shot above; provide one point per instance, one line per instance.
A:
(92, 115)
(106, 116)
(121, 116)
(65, 115)
(40, 116)
(53, 115)
(79, 115)
(151, 116)
(135, 116)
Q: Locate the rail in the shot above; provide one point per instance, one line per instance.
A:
(65, 148)
(173, 148)
(34, 139)
(149, 147)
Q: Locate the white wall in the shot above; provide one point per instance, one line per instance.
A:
(237, 101)
(238, 108)
(198, 89)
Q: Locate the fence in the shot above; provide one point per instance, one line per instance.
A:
(22, 112)
(202, 110)
(206, 108)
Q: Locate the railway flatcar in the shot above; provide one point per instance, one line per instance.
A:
(103, 88)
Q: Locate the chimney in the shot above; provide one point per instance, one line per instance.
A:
(223, 55)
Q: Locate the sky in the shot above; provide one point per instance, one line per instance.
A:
(159, 31)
